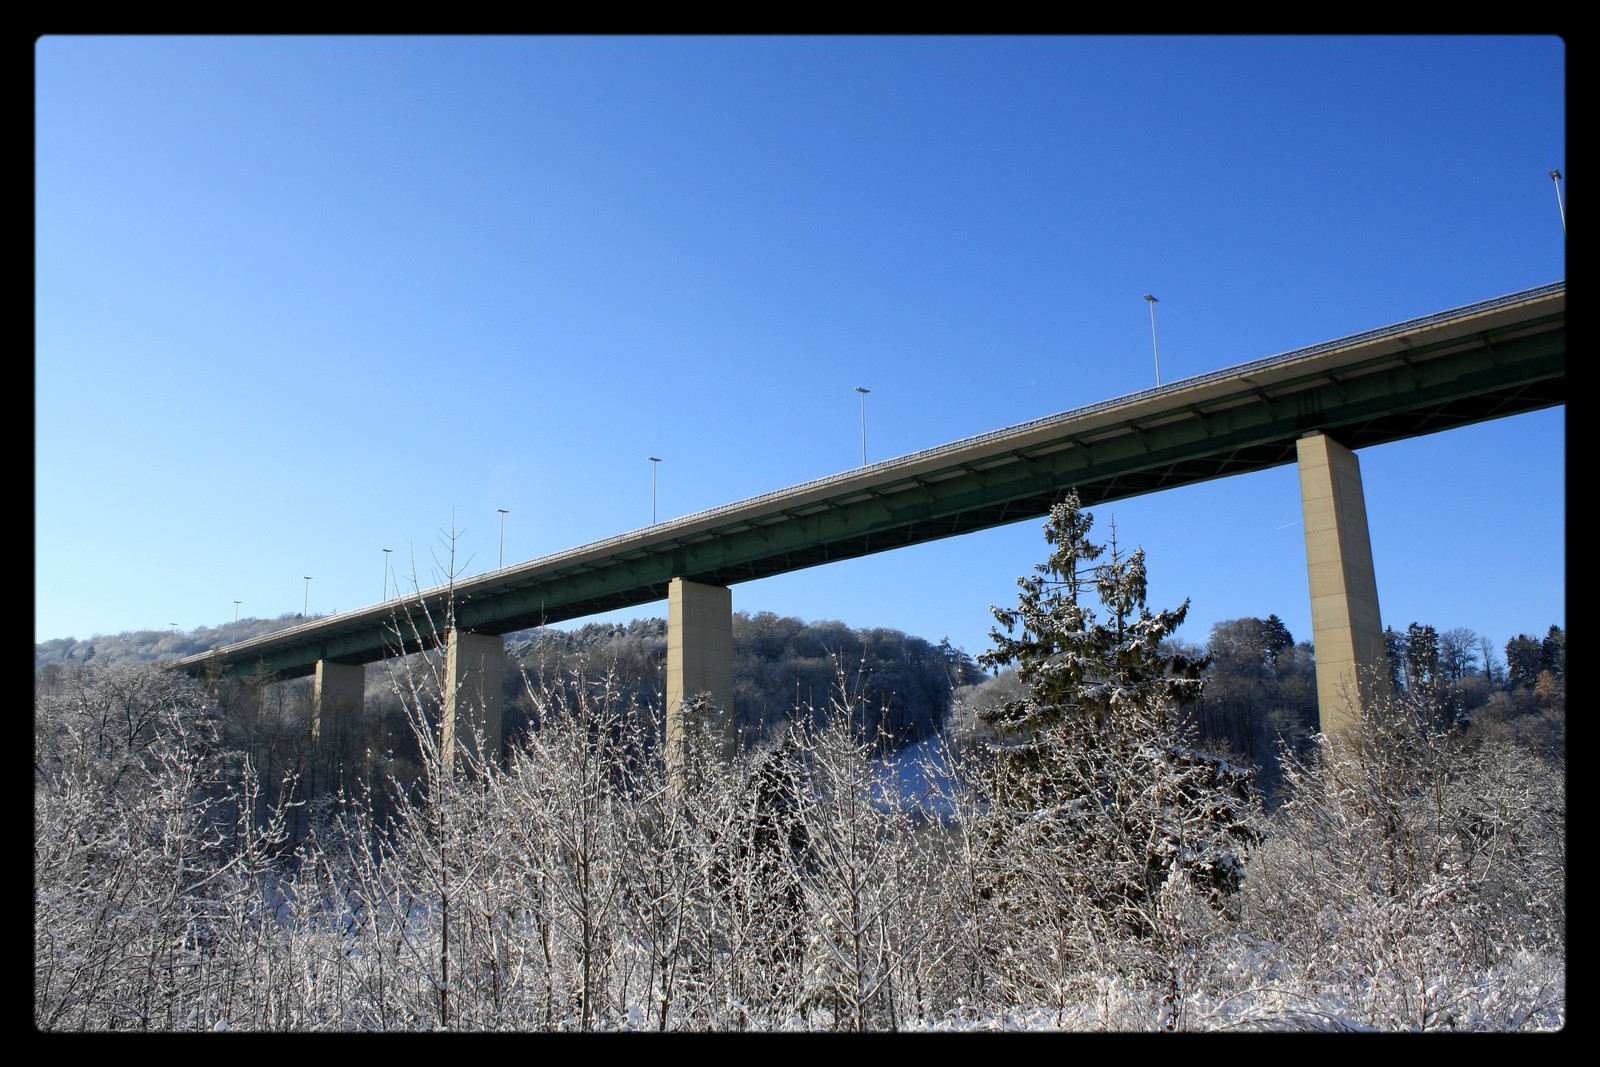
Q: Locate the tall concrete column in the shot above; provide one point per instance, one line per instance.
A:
(699, 653)
(1346, 631)
(475, 667)
(337, 693)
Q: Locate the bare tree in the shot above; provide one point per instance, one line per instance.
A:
(864, 877)
(1413, 872)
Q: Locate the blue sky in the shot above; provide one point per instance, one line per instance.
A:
(298, 300)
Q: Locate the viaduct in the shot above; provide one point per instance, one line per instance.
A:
(1313, 406)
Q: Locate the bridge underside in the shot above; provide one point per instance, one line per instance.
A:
(1137, 463)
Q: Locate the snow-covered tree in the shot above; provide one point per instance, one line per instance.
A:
(148, 863)
(1099, 800)
(1416, 877)
(1077, 668)
(865, 875)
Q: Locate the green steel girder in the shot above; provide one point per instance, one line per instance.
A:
(1130, 461)
(1251, 427)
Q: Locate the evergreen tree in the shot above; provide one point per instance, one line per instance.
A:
(1421, 655)
(1275, 639)
(1394, 656)
(1524, 656)
(1098, 799)
(1553, 653)
(1075, 667)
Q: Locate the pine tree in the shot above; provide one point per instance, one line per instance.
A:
(1074, 666)
(1394, 657)
(1099, 799)
(1275, 640)
(1553, 652)
(1421, 656)
(1523, 661)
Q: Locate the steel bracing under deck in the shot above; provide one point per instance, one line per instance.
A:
(1466, 365)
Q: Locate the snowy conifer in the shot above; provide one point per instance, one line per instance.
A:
(1099, 798)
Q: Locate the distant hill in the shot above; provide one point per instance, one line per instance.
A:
(780, 663)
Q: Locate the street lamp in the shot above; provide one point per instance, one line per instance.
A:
(1153, 345)
(236, 604)
(386, 572)
(305, 608)
(503, 513)
(653, 461)
(1555, 176)
(863, 393)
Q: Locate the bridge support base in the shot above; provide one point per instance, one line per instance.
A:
(699, 655)
(473, 696)
(1346, 632)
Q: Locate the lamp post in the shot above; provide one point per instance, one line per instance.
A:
(386, 573)
(1555, 176)
(1154, 347)
(305, 608)
(863, 393)
(503, 513)
(654, 461)
(236, 604)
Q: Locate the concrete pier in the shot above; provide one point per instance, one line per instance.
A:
(1346, 631)
(337, 693)
(473, 696)
(699, 653)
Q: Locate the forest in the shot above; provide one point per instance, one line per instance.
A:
(1093, 826)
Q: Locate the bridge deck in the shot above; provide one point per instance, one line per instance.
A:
(1483, 361)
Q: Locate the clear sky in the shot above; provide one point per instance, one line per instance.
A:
(302, 299)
